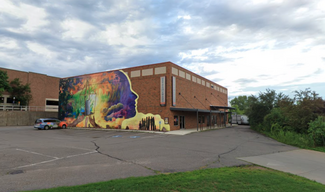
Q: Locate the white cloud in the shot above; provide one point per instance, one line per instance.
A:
(41, 50)
(35, 17)
(128, 34)
(186, 17)
(75, 29)
(8, 43)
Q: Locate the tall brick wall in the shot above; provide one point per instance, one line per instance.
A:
(148, 89)
(42, 86)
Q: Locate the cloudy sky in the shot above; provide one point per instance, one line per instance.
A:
(246, 46)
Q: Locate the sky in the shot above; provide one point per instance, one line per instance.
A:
(246, 46)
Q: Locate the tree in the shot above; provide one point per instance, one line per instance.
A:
(241, 103)
(307, 105)
(4, 83)
(22, 93)
(262, 105)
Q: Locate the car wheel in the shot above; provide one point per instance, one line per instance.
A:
(46, 127)
(64, 126)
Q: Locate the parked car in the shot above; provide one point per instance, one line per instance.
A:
(49, 123)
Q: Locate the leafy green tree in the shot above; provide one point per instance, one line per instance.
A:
(4, 83)
(307, 105)
(22, 93)
(263, 104)
(237, 110)
(241, 103)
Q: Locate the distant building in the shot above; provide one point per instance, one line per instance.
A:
(161, 96)
(44, 90)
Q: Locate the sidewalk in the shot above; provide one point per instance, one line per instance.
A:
(306, 163)
(176, 132)
(188, 131)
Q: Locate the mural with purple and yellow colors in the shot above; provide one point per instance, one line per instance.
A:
(104, 100)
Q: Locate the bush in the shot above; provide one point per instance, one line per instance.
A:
(292, 138)
(274, 120)
(316, 131)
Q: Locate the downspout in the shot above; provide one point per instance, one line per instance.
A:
(225, 118)
(210, 119)
(197, 120)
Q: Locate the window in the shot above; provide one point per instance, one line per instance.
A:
(208, 120)
(51, 120)
(2, 99)
(38, 121)
(51, 102)
(175, 120)
(201, 119)
(10, 100)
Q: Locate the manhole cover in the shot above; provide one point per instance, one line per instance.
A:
(117, 136)
(16, 172)
(133, 137)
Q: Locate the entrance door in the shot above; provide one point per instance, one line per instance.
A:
(181, 122)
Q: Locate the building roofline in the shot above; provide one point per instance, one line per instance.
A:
(140, 66)
(126, 68)
(27, 72)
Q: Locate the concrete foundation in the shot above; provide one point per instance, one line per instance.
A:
(14, 118)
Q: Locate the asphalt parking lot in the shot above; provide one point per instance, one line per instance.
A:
(36, 159)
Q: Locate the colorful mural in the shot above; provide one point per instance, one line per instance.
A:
(104, 100)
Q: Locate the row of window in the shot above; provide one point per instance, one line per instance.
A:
(7, 100)
(13, 101)
(201, 120)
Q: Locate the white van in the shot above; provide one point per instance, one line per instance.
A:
(244, 120)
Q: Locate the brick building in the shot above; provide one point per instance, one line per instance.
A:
(161, 96)
(44, 90)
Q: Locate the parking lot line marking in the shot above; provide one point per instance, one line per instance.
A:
(81, 148)
(36, 153)
(30, 165)
(81, 154)
(55, 159)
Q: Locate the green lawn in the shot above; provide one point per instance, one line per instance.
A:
(248, 178)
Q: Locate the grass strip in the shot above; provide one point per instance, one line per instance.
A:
(247, 178)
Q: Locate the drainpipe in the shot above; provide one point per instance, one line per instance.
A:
(210, 119)
(197, 120)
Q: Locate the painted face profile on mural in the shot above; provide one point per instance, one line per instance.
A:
(100, 100)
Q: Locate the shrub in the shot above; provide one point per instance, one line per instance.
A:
(274, 120)
(316, 131)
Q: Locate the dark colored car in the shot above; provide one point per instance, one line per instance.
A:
(49, 123)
